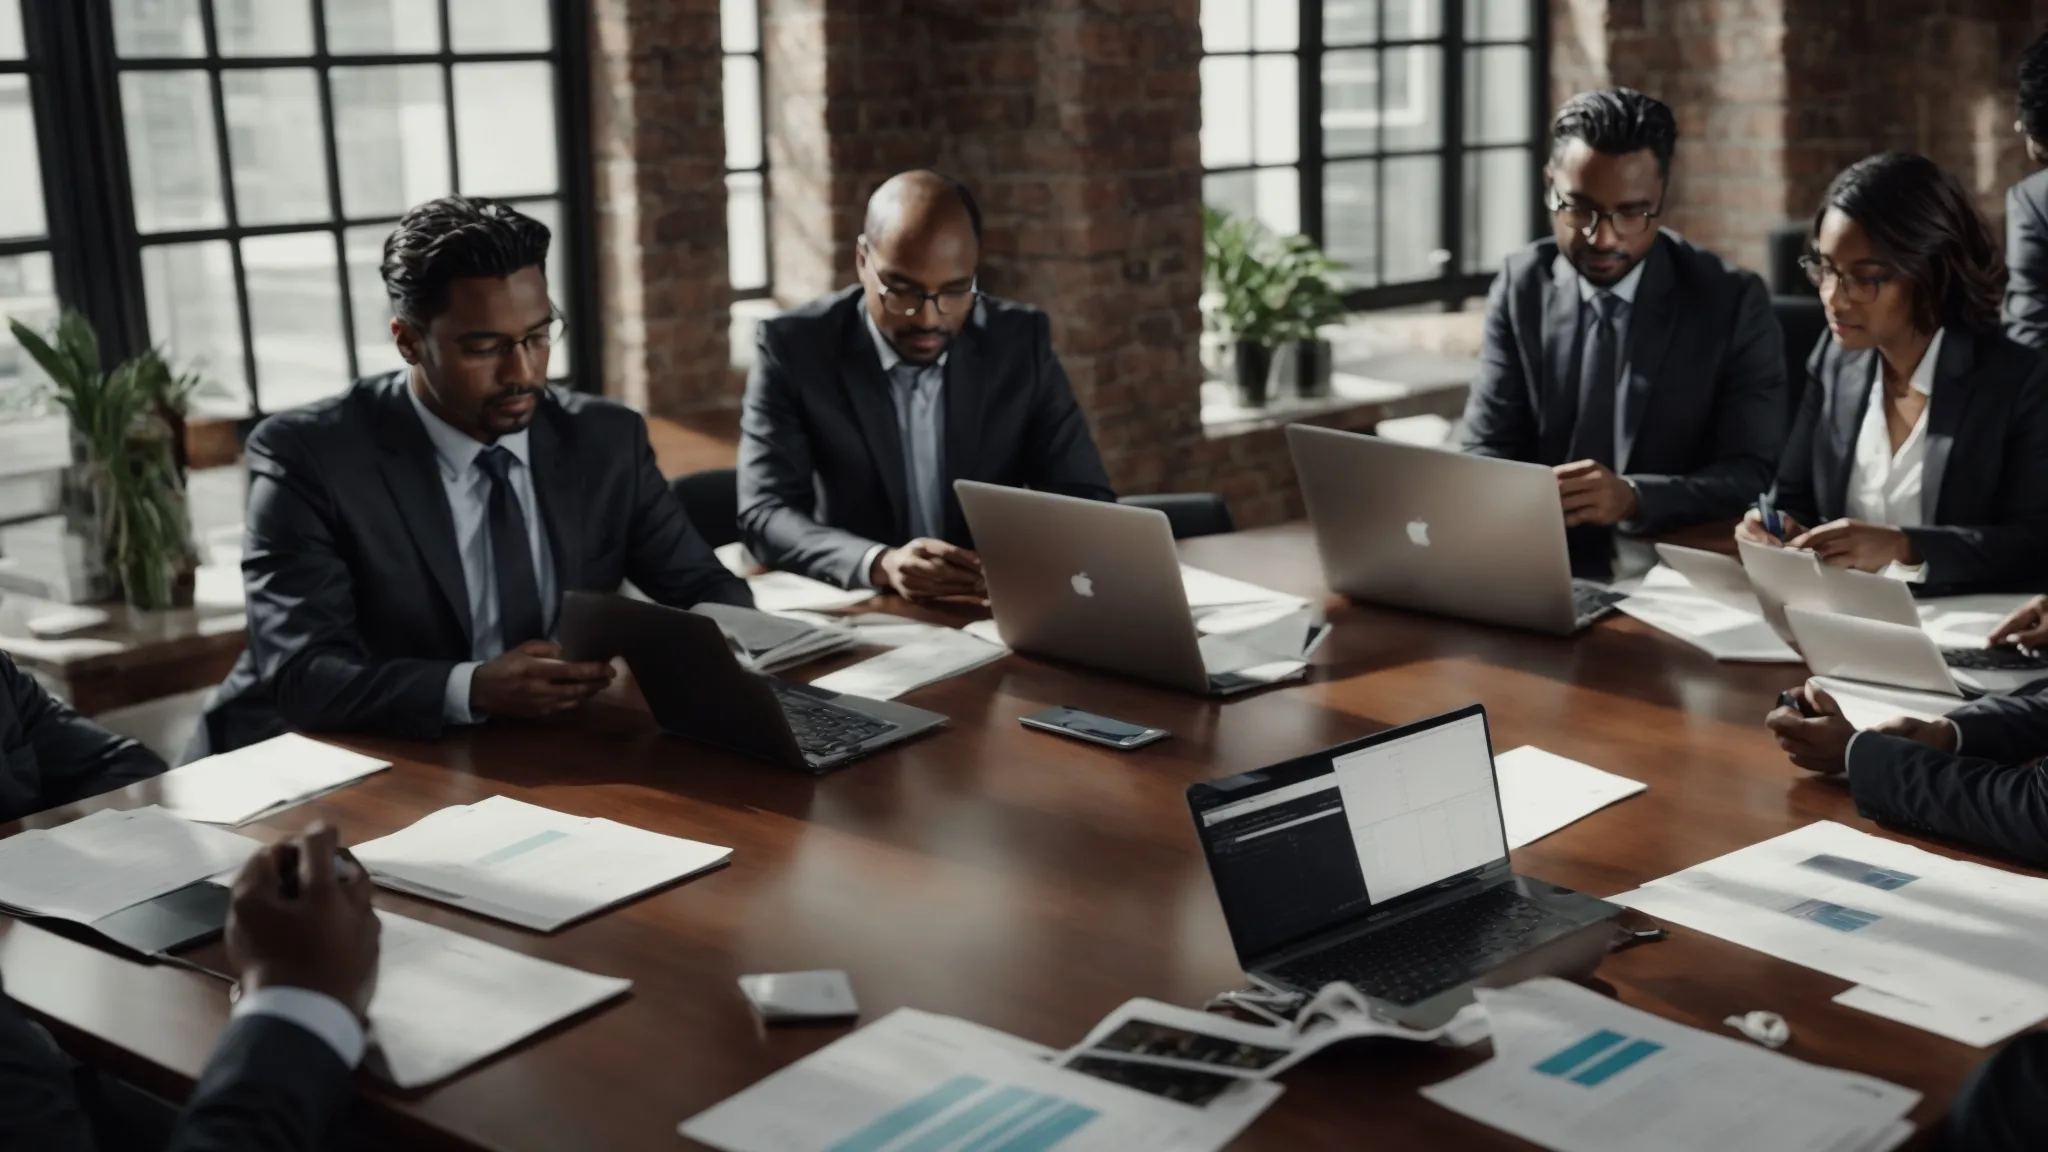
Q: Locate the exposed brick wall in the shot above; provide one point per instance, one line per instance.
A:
(658, 143)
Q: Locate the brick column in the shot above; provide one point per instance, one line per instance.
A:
(658, 140)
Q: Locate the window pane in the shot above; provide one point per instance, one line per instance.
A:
(1350, 21)
(363, 27)
(1499, 191)
(1276, 105)
(1412, 116)
(391, 131)
(1412, 219)
(742, 112)
(173, 162)
(10, 30)
(375, 351)
(1351, 218)
(499, 25)
(1413, 19)
(1351, 115)
(192, 314)
(746, 230)
(1226, 25)
(1276, 25)
(28, 293)
(263, 27)
(21, 194)
(1231, 192)
(1226, 112)
(1271, 196)
(549, 213)
(1497, 19)
(276, 144)
(158, 28)
(505, 128)
(295, 318)
(739, 24)
(1497, 95)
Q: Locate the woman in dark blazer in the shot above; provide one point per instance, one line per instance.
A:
(1921, 445)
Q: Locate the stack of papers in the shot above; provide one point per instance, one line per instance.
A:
(1944, 945)
(253, 782)
(767, 643)
(445, 1001)
(789, 592)
(915, 1080)
(1251, 633)
(529, 865)
(1541, 793)
(1704, 599)
(1576, 1072)
(939, 655)
(1868, 705)
(100, 864)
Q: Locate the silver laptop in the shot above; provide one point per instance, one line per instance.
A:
(1441, 532)
(1098, 584)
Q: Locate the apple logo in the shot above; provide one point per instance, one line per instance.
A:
(1083, 586)
(1418, 532)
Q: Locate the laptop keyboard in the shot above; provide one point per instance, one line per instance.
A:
(1417, 958)
(2002, 659)
(1590, 601)
(826, 730)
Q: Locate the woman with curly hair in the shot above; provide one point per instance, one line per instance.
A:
(1921, 446)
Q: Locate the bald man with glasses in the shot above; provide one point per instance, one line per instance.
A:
(865, 406)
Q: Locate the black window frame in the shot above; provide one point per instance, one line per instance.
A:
(759, 55)
(94, 240)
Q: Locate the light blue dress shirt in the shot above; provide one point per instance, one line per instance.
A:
(316, 1012)
(469, 501)
(920, 401)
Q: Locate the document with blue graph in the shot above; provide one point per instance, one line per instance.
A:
(915, 1082)
(1576, 1072)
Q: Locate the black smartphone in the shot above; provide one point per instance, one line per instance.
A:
(1094, 729)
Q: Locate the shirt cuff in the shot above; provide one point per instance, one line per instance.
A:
(1910, 573)
(455, 698)
(316, 1012)
(863, 576)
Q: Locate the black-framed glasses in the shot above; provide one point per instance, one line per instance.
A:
(910, 301)
(501, 347)
(1860, 288)
(1586, 221)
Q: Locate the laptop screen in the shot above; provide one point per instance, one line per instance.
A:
(1352, 831)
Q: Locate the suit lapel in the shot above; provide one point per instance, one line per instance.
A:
(407, 464)
(1945, 411)
(964, 395)
(1651, 320)
(1558, 404)
(1850, 391)
(867, 393)
(552, 442)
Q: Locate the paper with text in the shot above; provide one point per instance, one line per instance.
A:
(110, 860)
(237, 787)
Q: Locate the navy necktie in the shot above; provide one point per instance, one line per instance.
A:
(519, 617)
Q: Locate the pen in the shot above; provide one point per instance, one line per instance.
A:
(288, 873)
(1773, 523)
(1787, 700)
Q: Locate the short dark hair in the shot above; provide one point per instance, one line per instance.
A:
(1616, 122)
(1922, 222)
(453, 238)
(2034, 88)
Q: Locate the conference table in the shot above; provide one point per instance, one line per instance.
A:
(1029, 882)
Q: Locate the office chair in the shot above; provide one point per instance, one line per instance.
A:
(1190, 513)
(711, 499)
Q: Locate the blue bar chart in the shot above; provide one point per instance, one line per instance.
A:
(970, 1114)
(1597, 1059)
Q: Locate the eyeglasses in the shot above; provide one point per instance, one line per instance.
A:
(1586, 221)
(499, 348)
(1860, 289)
(910, 301)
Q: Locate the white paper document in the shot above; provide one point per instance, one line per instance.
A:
(787, 591)
(768, 643)
(240, 786)
(912, 666)
(1541, 792)
(1868, 705)
(1956, 946)
(1707, 614)
(529, 865)
(445, 1001)
(1576, 1072)
(110, 860)
(916, 1081)
(1208, 590)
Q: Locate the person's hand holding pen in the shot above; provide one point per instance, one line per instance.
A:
(1765, 524)
(300, 917)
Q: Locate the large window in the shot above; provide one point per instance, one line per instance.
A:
(28, 290)
(746, 148)
(264, 149)
(1404, 135)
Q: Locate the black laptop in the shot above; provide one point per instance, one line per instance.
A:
(1384, 862)
(698, 689)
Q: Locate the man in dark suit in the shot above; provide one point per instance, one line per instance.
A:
(50, 755)
(865, 406)
(409, 541)
(1649, 374)
(2026, 209)
(278, 1081)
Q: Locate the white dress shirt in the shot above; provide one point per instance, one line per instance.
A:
(1885, 486)
(316, 1012)
(919, 402)
(469, 501)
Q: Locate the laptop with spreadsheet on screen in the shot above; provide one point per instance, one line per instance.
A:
(1384, 862)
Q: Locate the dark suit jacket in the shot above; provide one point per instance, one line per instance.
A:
(1703, 403)
(1986, 796)
(1984, 493)
(270, 1086)
(50, 755)
(2026, 257)
(358, 609)
(821, 469)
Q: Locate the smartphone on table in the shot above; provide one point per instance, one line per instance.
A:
(1095, 729)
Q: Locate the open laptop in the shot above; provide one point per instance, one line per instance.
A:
(1100, 584)
(1442, 532)
(698, 690)
(1384, 862)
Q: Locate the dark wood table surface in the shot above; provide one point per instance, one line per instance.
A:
(1034, 883)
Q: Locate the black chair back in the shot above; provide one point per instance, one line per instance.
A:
(711, 500)
(1191, 513)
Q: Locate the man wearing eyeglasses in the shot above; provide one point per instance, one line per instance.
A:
(409, 541)
(865, 406)
(1647, 373)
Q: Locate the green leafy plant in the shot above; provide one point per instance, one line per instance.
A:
(126, 420)
(1264, 289)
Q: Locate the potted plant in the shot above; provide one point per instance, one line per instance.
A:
(123, 426)
(1265, 293)
(1312, 299)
